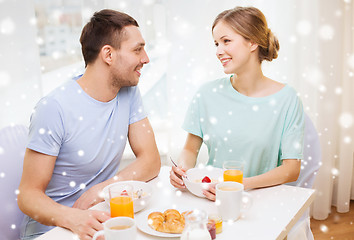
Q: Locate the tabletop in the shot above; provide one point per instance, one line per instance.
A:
(274, 211)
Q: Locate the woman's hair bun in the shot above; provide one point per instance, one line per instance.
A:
(272, 50)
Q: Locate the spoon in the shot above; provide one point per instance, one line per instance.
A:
(176, 166)
(139, 193)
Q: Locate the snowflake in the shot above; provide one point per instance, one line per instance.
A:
(5, 78)
(272, 102)
(314, 76)
(338, 90)
(297, 145)
(335, 172)
(322, 88)
(326, 32)
(292, 39)
(72, 184)
(304, 27)
(324, 228)
(122, 5)
(255, 108)
(346, 120)
(7, 26)
(41, 131)
(56, 55)
(347, 139)
(81, 153)
(213, 120)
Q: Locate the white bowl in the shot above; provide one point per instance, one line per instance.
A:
(138, 203)
(195, 175)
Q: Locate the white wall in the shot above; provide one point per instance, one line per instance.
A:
(19, 62)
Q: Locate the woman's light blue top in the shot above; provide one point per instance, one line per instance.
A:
(258, 131)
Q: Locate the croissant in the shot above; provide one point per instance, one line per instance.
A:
(171, 221)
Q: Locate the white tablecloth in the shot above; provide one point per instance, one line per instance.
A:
(274, 211)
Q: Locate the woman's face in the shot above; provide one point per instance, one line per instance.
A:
(233, 50)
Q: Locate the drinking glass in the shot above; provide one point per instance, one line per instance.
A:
(121, 201)
(233, 171)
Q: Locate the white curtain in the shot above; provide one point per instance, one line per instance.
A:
(335, 181)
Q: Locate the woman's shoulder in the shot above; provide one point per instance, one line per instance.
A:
(281, 89)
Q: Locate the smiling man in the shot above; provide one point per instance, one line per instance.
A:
(79, 131)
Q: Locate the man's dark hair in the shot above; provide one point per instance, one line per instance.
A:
(104, 28)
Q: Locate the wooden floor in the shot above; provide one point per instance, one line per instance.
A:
(338, 226)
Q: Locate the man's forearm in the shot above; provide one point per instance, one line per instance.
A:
(41, 208)
(140, 170)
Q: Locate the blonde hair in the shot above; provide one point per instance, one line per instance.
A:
(250, 23)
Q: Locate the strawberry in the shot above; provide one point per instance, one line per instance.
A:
(206, 179)
(124, 193)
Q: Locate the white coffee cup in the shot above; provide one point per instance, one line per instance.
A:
(129, 231)
(231, 200)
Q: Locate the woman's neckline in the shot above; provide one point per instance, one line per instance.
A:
(272, 95)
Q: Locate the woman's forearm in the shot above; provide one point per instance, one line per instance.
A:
(288, 172)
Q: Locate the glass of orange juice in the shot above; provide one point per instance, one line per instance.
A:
(233, 171)
(121, 201)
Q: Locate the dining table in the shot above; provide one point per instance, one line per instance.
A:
(273, 213)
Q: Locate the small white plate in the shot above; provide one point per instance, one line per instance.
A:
(142, 223)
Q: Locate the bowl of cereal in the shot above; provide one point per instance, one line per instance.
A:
(201, 178)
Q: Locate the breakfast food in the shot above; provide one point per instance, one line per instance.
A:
(170, 221)
(211, 228)
(206, 179)
(218, 222)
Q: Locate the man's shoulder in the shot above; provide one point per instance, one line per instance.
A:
(57, 97)
(63, 90)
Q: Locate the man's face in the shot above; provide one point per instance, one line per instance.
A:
(129, 59)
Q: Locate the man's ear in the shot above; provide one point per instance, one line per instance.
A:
(253, 46)
(106, 54)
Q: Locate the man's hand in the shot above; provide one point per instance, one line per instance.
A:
(85, 223)
(90, 198)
